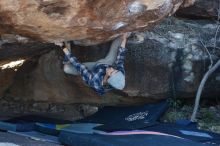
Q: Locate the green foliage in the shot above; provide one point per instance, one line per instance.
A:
(174, 103)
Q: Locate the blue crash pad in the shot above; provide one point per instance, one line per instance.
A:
(76, 139)
(187, 131)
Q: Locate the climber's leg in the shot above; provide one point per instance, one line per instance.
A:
(109, 59)
(112, 54)
(69, 69)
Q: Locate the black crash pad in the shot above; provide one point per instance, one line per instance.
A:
(127, 118)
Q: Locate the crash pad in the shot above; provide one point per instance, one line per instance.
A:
(127, 118)
(76, 139)
(20, 127)
(187, 131)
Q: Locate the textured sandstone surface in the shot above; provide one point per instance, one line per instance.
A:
(85, 21)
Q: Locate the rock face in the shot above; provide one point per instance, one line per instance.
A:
(45, 81)
(14, 51)
(168, 61)
(201, 9)
(173, 59)
(6, 80)
(87, 22)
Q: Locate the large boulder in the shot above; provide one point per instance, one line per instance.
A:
(168, 61)
(85, 21)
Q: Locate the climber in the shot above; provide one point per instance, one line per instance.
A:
(104, 74)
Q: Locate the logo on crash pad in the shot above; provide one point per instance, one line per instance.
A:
(137, 116)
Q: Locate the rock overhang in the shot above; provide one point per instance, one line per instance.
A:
(86, 22)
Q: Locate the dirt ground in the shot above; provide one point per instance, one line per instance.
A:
(208, 116)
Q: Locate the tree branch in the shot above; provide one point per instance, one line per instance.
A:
(201, 86)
